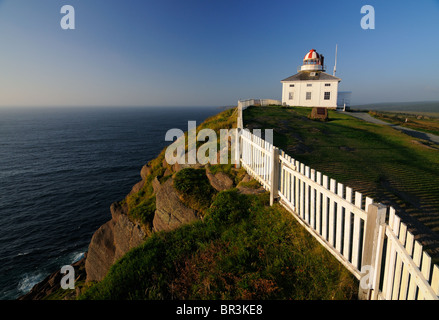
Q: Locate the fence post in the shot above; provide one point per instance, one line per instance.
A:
(373, 249)
(274, 185)
(237, 148)
(239, 120)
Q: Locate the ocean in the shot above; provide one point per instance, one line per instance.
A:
(60, 170)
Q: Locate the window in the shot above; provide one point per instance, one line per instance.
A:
(291, 95)
(291, 85)
(308, 96)
(309, 84)
(327, 84)
(327, 96)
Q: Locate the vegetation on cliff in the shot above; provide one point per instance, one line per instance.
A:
(238, 248)
(195, 188)
(244, 249)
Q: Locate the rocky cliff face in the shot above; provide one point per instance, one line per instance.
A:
(111, 241)
(123, 232)
(171, 212)
(120, 234)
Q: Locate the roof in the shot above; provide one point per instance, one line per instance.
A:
(312, 54)
(306, 76)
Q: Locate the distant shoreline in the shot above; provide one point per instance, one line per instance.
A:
(417, 107)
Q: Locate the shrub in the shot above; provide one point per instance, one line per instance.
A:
(144, 211)
(194, 188)
(229, 207)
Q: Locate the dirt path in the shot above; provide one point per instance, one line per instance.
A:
(414, 133)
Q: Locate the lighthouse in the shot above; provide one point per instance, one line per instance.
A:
(313, 61)
(312, 86)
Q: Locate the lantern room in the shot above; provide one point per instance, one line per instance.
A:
(313, 61)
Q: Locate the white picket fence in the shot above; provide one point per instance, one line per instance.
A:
(244, 104)
(258, 102)
(257, 158)
(369, 239)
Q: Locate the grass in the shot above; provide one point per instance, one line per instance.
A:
(194, 188)
(252, 184)
(243, 249)
(144, 211)
(378, 161)
(141, 205)
(421, 122)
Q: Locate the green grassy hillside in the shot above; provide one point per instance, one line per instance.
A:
(244, 249)
(376, 160)
(241, 248)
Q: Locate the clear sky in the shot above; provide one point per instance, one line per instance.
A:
(211, 52)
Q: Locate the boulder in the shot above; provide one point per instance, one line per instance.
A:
(247, 178)
(136, 188)
(245, 190)
(170, 211)
(146, 170)
(319, 113)
(155, 185)
(220, 181)
(242, 188)
(179, 166)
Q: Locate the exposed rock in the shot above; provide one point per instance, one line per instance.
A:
(246, 190)
(220, 181)
(168, 172)
(179, 166)
(318, 113)
(170, 211)
(136, 188)
(52, 283)
(176, 167)
(155, 185)
(146, 170)
(111, 241)
(247, 178)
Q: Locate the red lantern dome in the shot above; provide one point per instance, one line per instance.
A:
(313, 61)
(312, 54)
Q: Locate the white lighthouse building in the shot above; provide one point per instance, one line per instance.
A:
(312, 86)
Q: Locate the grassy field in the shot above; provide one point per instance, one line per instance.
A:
(378, 161)
(425, 121)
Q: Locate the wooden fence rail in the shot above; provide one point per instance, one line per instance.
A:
(369, 239)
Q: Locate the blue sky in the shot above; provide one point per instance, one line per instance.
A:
(210, 52)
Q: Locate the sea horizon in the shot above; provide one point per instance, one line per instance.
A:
(61, 171)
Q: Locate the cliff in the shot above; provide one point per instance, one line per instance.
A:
(111, 241)
(153, 205)
(202, 232)
(50, 287)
